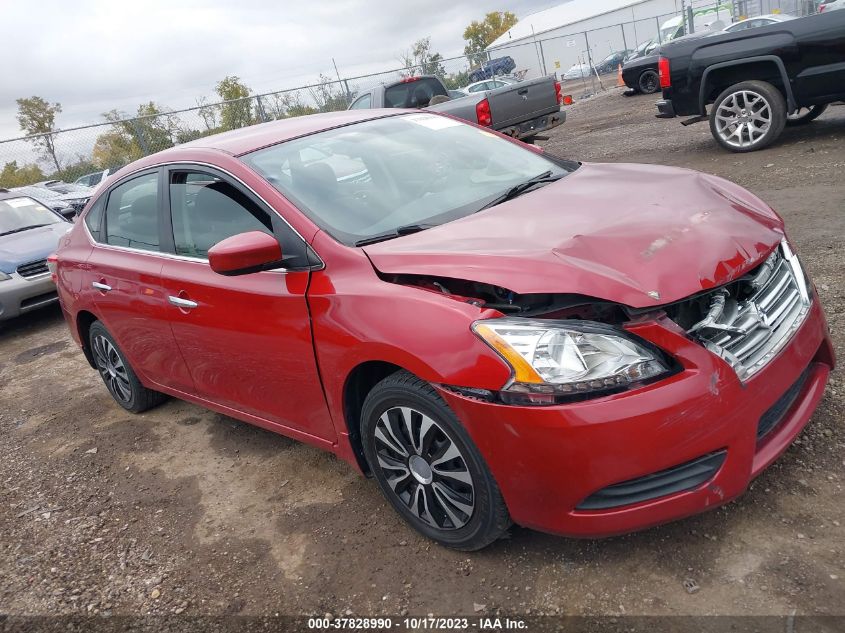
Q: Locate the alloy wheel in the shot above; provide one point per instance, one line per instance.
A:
(743, 118)
(424, 468)
(112, 368)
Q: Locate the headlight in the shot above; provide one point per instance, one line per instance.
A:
(4, 276)
(552, 360)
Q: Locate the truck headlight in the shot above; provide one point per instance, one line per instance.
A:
(553, 360)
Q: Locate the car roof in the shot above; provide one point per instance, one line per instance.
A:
(247, 139)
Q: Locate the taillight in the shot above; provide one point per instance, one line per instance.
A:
(482, 113)
(407, 80)
(663, 71)
(558, 93)
(52, 265)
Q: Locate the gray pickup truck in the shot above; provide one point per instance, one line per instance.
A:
(522, 110)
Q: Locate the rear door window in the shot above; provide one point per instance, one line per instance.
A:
(132, 214)
(413, 93)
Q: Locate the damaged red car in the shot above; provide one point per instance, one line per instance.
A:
(494, 334)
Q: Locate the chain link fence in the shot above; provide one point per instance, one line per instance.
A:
(70, 153)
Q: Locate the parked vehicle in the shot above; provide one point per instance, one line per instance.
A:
(611, 63)
(49, 198)
(578, 71)
(488, 70)
(753, 23)
(522, 110)
(489, 84)
(758, 80)
(646, 48)
(93, 179)
(831, 5)
(490, 331)
(29, 232)
(77, 196)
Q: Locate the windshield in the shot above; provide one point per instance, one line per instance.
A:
(20, 213)
(376, 176)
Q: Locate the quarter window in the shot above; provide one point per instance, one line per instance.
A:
(206, 210)
(362, 103)
(132, 214)
(92, 219)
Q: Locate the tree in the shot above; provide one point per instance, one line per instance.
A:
(38, 117)
(14, 176)
(285, 105)
(457, 80)
(328, 96)
(420, 60)
(237, 111)
(479, 35)
(151, 129)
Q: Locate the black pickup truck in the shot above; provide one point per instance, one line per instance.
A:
(758, 80)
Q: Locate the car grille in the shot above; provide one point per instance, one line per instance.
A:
(666, 482)
(748, 323)
(33, 269)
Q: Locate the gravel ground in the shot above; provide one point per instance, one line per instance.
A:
(185, 511)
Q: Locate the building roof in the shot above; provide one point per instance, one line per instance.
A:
(558, 16)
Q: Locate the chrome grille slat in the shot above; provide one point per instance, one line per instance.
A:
(756, 322)
(33, 269)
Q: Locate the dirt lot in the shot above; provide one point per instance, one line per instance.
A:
(182, 510)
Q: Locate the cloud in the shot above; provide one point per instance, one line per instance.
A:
(96, 55)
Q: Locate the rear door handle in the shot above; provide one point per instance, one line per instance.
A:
(524, 91)
(179, 302)
(101, 286)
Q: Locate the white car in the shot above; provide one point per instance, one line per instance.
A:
(762, 20)
(831, 5)
(578, 71)
(487, 84)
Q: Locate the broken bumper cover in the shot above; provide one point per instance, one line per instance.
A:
(665, 109)
(535, 126)
(548, 461)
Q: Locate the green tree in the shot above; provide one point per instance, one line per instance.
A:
(38, 117)
(456, 80)
(150, 130)
(236, 112)
(14, 176)
(328, 95)
(479, 35)
(72, 171)
(420, 60)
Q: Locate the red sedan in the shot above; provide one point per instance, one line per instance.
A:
(493, 333)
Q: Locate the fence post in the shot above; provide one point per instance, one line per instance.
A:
(259, 107)
(139, 134)
(659, 37)
(543, 58)
(348, 94)
(624, 39)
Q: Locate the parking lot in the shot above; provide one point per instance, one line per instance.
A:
(181, 510)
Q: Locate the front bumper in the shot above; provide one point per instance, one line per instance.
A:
(665, 109)
(548, 460)
(535, 126)
(20, 295)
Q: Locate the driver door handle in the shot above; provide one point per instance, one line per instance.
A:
(179, 302)
(101, 286)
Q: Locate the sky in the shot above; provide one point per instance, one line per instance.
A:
(97, 55)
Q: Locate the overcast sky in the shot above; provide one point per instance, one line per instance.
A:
(96, 55)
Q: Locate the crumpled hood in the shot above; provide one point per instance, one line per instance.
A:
(30, 246)
(640, 235)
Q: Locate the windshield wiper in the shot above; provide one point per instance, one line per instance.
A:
(521, 188)
(24, 228)
(397, 232)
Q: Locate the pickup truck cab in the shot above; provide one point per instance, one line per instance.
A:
(757, 80)
(521, 110)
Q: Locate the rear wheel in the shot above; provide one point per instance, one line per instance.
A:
(748, 116)
(117, 373)
(803, 116)
(428, 467)
(649, 82)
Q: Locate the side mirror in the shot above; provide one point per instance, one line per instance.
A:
(245, 253)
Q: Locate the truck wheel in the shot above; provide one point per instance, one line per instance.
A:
(748, 116)
(805, 115)
(649, 82)
(428, 467)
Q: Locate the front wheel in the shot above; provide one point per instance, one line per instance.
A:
(649, 82)
(748, 116)
(802, 116)
(428, 467)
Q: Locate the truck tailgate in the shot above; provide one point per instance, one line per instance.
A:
(522, 101)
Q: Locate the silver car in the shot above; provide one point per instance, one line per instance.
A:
(29, 232)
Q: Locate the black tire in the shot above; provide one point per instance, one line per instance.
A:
(470, 482)
(762, 99)
(805, 115)
(117, 373)
(649, 82)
